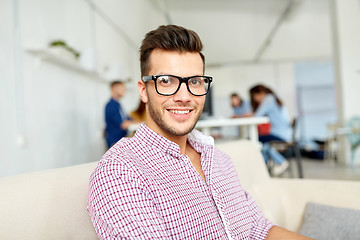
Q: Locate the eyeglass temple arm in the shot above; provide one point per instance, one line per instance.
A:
(147, 78)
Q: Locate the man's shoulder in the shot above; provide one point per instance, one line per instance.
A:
(223, 164)
(111, 102)
(120, 151)
(124, 148)
(130, 153)
(221, 155)
(120, 168)
(109, 105)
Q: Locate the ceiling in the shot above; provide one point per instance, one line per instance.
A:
(252, 31)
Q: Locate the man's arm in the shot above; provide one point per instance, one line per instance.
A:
(125, 124)
(278, 233)
(120, 207)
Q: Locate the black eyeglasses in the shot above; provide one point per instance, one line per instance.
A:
(168, 85)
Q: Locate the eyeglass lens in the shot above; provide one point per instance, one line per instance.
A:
(169, 85)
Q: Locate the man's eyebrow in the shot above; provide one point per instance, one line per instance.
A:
(162, 73)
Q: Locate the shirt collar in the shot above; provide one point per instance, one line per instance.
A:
(200, 138)
(153, 139)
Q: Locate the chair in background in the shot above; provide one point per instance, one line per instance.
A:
(289, 150)
(331, 143)
(352, 132)
(353, 124)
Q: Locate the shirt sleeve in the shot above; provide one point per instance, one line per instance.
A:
(120, 207)
(262, 225)
(266, 106)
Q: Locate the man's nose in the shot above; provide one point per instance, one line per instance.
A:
(182, 94)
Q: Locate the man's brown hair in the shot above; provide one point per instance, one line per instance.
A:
(116, 82)
(168, 37)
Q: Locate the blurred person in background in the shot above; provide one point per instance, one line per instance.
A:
(240, 106)
(139, 115)
(117, 121)
(264, 102)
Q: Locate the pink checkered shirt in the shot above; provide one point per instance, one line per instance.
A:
(144, 188)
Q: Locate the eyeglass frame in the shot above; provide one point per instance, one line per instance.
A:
(181, 80)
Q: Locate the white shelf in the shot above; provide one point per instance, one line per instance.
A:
(64, 61)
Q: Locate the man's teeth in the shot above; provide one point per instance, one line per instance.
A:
(180, 111)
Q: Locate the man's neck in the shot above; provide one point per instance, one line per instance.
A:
(115, 98)
(188, 150)
(182, 142)
(179, 140)
(185, 148)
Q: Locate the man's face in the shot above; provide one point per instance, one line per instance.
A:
(118, 90)
(174, 115)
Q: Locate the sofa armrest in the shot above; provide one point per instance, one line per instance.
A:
(46, 205)
(296, 193)
(283, 200)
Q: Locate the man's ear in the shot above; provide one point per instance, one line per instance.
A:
(142, 91)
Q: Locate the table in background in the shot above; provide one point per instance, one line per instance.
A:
(205, 125)
(250, 123)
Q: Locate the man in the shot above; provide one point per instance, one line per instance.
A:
(117, 121)
(169, 181)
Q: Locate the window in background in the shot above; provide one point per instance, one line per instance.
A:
(315, 87)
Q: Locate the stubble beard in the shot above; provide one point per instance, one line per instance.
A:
(157, 118)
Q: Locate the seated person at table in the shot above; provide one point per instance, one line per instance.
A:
(265, 103)
(240, 106)
(169, 181)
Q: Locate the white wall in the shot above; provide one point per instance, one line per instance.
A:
(346, 26)
(51, 115)
(7, 86)
(349, 38)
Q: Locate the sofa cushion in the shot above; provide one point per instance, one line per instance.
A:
(328, 222)
(47, 205)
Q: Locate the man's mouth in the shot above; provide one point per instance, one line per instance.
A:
(179, 112)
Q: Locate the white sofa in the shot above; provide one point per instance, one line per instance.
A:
(52, 204)
(283, 200)
(46, 205)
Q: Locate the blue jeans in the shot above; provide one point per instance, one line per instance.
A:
(268, 138)
(268, 151)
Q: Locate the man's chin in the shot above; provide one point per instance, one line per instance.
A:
(171, 126)
(180, 130)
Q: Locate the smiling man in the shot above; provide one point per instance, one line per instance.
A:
(169, 181)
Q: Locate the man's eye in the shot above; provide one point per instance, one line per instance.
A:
(164, 81)
(195, 82)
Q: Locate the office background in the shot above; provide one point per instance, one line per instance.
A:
(52, 110)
